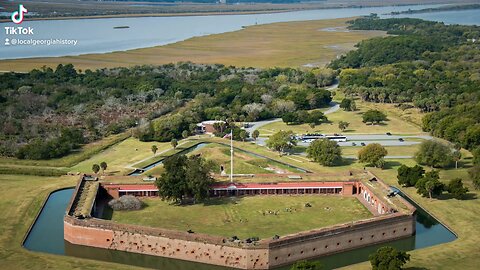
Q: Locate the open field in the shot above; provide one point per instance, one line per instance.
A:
(279, 44)
(396, 123)
(408, 150)
(244, 217)
(121, 155)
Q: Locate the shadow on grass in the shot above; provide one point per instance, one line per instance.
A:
(346, 162)
(391, 164)
(415, 268)
(466, 197)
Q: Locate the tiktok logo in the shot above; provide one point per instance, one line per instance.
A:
(17, 16)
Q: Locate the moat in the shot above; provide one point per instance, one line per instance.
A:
(47, 236)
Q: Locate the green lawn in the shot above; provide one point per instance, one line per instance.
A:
(244, 163)
(399, 122)
(244, 216)
(408, 150)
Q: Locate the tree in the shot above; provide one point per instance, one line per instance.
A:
(474, 173)
(315, 117)
(174, 143)
(408, 176)
(243, 134)
(198, 177)
(185, 134)
(154, 149)
(255, 134)
(388, 258)
(342, 125)
(104, 166)
(348, 104)
(373, 154)
(429, 185)
(434, 154)
(456, 188)
(95, 168)
(281, 141)
(306, 265)
(185, 178)
(325, 152)
(374, 116)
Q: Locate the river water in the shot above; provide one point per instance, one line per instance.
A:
(47, 236)
(100, 35)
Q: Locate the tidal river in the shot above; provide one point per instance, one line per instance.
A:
(119, 34)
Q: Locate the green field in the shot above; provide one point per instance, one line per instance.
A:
(244, 217)
(395, 124)
(244, 163)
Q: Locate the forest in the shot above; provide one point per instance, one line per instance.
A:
(157, 102)
(428, 65)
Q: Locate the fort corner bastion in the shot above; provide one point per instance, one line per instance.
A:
(393, 218)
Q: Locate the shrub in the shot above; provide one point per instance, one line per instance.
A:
(126, 202)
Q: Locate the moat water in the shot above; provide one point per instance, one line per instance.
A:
(46, 236)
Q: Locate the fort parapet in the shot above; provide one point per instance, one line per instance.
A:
(394, 218)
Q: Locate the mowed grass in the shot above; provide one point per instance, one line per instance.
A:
(119, 156)
(244, 163)
(244, 217)
(278, 44)
(396, 123)
(408, 150)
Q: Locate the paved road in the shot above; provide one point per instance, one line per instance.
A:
(367, 140)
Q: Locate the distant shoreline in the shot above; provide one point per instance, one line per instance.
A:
(140, 15)
(437, 9)
(209, 13)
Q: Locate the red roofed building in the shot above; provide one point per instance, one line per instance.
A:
(241, 189)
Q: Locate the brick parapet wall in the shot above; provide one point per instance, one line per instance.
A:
(213, 250)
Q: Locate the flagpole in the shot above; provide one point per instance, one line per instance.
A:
(231, 156)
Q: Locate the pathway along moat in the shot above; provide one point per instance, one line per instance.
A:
(46, 236)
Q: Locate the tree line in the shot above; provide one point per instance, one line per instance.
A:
(36, 106)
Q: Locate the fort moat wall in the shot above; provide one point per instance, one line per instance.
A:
(264, 254)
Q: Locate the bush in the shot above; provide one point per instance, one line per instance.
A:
(126, 202)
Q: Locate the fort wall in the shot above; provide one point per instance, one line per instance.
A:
(387, 225)
(213, 250)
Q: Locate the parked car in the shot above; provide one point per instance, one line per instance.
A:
(363, 144)
(389, 134)
(401, 139)
(354, 144)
